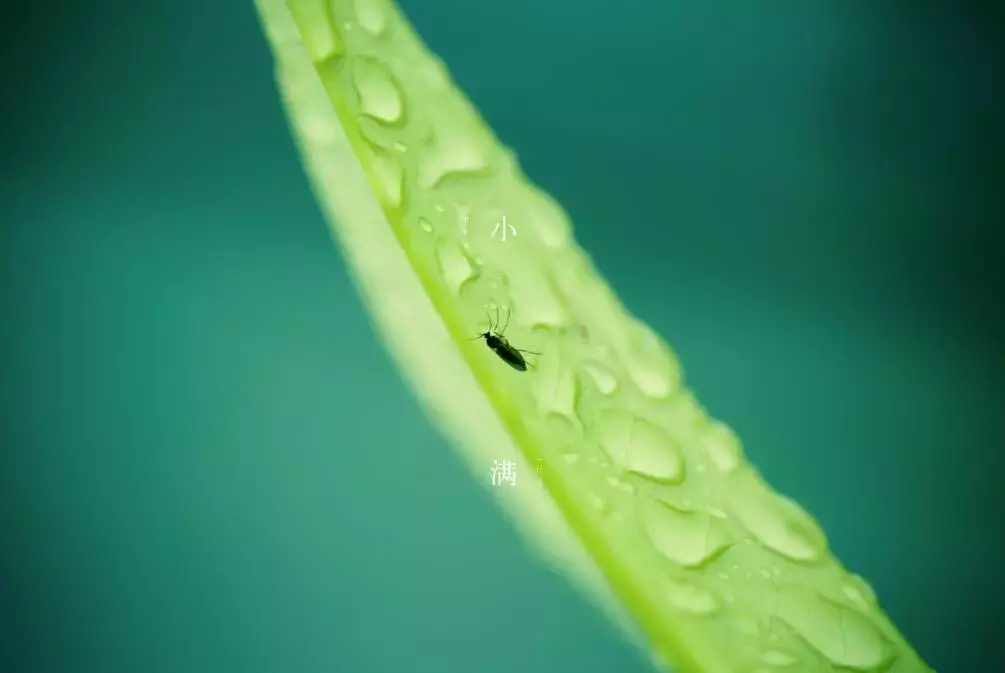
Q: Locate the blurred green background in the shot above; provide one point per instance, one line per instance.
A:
(209, 463)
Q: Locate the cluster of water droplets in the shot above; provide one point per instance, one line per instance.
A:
(609, 396)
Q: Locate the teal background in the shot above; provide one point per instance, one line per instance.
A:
(209, 463)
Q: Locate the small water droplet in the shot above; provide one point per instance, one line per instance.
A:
(690, 539)
(639, 446)
(389, 180)
(620, 485)
(318, 32)
(765, 573)
(859, 591)
(845, 636)
(599, 504)
(602, 378)
(379, 95)
(691, 599)
(778, 523)
(778, 658)
(371, 17)
(425, 225)
(570, 458)
(722, 446)
(454, 264)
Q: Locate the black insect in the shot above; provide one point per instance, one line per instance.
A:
(503, 348)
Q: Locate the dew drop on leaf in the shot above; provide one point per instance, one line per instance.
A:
(690, 598)
(455, 267)
(371, 17)
(778, 523)
(844, 636)
(602, 378)
(320, 36)
(690, 539)
(778, 658)
(721, 445)
(636, 445)
(379, 95)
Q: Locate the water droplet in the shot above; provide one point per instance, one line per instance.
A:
(454, 264)
(846, 637)
(637, 445)
(546, 219)
(859, 591)
(602, 378)
(599, 504)
(691, 599)
(379, 96)
(620, 485)
(539, 304)
(690, 539)
(317, 30)
(652, 367)
(453, 154)
(722, 446)
(570, 458)
(371, 17)
(389, 181)
(777, 522)
(425, 225)
(556, 387)
(778, 658)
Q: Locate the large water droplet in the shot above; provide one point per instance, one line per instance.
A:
(389, 180)
(454, 153)
(651, 366)
(846, 637)
(371, 17)
(690, 598)
(317, 30)
(454, 264)
(539, 304)
(637, 445)
(690, 539)
(556, 387)
(722, 446)
(777, 522)
(379, 96)
(425, 225)
(602, 378)
(545, 219)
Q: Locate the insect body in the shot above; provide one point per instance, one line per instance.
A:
(503, 348)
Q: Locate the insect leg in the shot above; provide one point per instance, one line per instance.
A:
(531, 352)
(509, 312)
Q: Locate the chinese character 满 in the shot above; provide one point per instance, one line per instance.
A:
(503, 471)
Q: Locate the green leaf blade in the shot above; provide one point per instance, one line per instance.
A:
(645, 501)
